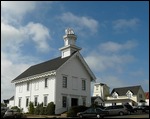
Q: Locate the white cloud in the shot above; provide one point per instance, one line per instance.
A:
(103, 59)
(117, 47)
(80, 22)
(122, 25)
(13, 11)
(99, 62)
(40, 35)
(13, 36)
(10, 70)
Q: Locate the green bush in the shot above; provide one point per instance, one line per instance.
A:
(37, 110)
(17, 108)
(72, 112)
(50, 109)
(31, 108)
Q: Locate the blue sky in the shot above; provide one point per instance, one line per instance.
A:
(114, 37)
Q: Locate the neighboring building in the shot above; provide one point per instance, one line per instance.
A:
(65, 80)
(97, 100)
(101, 89)
(11, 102)
(134, 94)
(147, 98)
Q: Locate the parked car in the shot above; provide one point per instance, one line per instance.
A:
(142, 108)
(117, 110)
(3, 110)
(12, 113)
(129, 108)
(93, 112)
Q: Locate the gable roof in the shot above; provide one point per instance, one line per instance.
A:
(12, 98)
(52, 65)
(43, 67)
(95, 98)
(123, 90)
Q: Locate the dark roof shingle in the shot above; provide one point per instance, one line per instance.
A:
(123, 90)
(43, 67)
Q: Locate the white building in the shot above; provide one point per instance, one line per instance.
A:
(101, 89)
(65, 80)
(11, 102)
(134, 95)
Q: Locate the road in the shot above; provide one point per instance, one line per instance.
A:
(130, 116)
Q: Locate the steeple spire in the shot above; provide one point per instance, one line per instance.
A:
(69, 43)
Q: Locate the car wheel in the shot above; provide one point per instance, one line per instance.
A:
(120, 113)
(15, 116)
(129, 112)
(80, 116)
(98, 116)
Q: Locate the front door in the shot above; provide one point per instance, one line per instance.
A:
(74, 102)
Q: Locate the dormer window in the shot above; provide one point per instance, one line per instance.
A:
(115, 95)
(129, 94)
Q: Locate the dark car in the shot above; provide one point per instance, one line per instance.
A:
(12, 113)
(3, 110)
(142, 108)
(117, 110)
(93, 112)
(129, 108)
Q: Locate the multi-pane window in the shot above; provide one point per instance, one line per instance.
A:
(46, 83)
(64, 82)
(27, 101)
(19, 104)
(45, 100)
(83, 85)
(64, 101)
(35, 101)
(28, 84)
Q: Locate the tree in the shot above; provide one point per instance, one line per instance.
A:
(50, 109)
(31, 108)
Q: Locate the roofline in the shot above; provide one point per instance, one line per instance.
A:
(84, 63)
(87, 67)
(45, 74)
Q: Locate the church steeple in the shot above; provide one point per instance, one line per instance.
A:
(69, 43)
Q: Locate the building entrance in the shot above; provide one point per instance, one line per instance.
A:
(74, 101)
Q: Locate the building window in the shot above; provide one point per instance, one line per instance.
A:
(64, 101)
(27, 101)
(20, 89)
(28, 83)
(84, 101)
(140, 95)
(36, 85)
(64, 82)
(45, 100)
(46, 83)
(83, 85)
(115, 95)
(35, 101)
(19, 104)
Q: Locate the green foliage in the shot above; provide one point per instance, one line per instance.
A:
(3, 105)
(31, 108)
(17, 108)
(50, 109)
(37, 109)
(72, 112)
